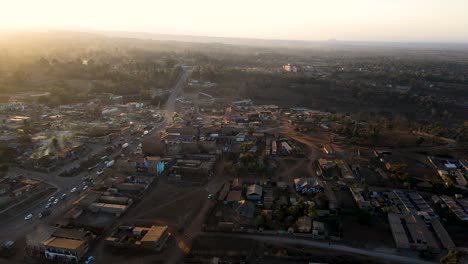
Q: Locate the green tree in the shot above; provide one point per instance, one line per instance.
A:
(289, 221)
(312, 213)
(260, 220)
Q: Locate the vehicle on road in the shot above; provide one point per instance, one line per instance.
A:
(48, 205)
(100, 172)
(73, 190)
(125, 145)
(85, 187)
(210, 196)
(29, 216)
(51, 199)
(63, 196)
(56, 201)
(90, 259)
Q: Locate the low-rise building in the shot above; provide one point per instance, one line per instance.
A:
(328, 149)
(359, 198)
(455, 207)
(244, 209)
(152, 238)
(234, 196)
(318, 230)
(57, 244)
(115, 209)
(304, 224)
(326, 164)
(410, 232)
(254, 192)
(308, 185)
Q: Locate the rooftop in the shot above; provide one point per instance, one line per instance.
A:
(154, 234)
(64, 243)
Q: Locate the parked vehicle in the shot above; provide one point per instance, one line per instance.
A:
(89, 260)
(56, 201)
(110, 164)
(29, 216)
(48, 205)
(73, 190)
(63, 196)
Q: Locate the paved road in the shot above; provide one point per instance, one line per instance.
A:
(170, 104)
(325, 245)
(15, 227)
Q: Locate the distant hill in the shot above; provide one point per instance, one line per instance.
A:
(301, 44)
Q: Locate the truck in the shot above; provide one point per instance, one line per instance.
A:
(110, 164)
(125, 145)
(273, 147)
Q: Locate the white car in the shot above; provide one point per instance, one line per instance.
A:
(100, 172)
(48, 205)
(73, 190)
(51, 199)
(56, 201)
(85, 188)
(29, 216)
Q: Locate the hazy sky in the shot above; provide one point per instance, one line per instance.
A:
(373, 20)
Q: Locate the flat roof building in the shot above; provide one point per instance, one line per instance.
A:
(410, 231)
(155, 238)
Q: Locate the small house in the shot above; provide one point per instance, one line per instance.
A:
(254, 192)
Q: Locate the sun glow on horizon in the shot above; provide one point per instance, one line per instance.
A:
(361, 20)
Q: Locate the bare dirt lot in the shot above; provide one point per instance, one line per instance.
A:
(180, 206)
(167, 204)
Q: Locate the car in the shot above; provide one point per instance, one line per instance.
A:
(48, 205)
(85, 187)
(210, 196)
(40, 215)
(83, 183)
(56, 201)
(29, 216)
(51, 199)
(100, 172)
(73, 190)
(63, 196)
(89, 260)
